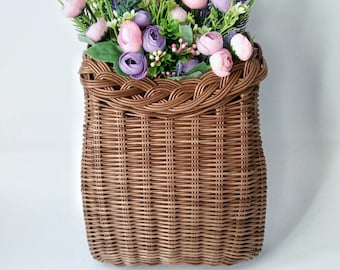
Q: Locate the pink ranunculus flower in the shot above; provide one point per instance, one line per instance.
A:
(97, 30)
(130, 37)
(210, 43)
(73, 8)
(195, 4)
(178, 13)
(242, 47)
(222, 5)
(221, 62)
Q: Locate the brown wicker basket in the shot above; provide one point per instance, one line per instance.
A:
(173, 172)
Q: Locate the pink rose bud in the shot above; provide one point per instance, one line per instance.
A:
(241, 46)
(221, 63)
(222, 5)
(210, 43)
(130, 37)
(195, 4)
(97, 30)
(179, 14)
(73, 8)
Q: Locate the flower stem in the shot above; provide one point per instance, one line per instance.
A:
(109, 9)
(81, 26)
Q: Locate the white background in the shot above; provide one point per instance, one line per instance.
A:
(41, 115)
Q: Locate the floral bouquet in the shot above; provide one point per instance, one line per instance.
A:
(172, 39)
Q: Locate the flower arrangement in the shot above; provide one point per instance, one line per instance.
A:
(172, 39)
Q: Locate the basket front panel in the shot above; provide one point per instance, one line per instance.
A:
(185, 190)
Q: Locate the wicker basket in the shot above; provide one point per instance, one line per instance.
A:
(173, 172)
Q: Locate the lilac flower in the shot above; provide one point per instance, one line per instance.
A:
(184, 67)
(153, 40)
(222, 5)
(134, 64)
(114, 4)
(227, 38)
(142, 18)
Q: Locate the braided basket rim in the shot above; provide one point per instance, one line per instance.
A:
(167, 98)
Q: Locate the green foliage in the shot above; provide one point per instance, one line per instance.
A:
(159, 10)
(198, 22)
(186, 33)
(170, 29)
(251, 2)
(166, 63)
(234, 14)
(193, 73)
(82, 37)
(127, 6)
(108, 9)
(204, 29)
(212, 20)
(107, 51)
(203, 67)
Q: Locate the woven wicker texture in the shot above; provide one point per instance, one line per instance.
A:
(173, 172)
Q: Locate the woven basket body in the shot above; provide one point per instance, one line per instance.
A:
(173, 172)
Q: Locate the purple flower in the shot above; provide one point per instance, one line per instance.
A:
(114, 4)
(153, 40)
(142, 18)
(134, 65)
(227, 38)
(184, 67)
(222, 5)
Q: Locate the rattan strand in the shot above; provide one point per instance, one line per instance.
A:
(173, 172)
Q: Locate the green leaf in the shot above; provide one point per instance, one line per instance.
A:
(250, 3)
(109, 9)
(194, 75)
(152, 71)
(82, 37)
(201, 67)
(186, 33)
(105, 51)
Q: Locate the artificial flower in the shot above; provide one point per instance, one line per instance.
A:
(73, 8)
(210, 43)
(192, 29)
(195, 4)
(227, 38)
(221, 62)
(130, 37)
(97, 30)
(184, 67)
(134, 64)
(153, 40)
(178, 13)
(241, 46)
(222, 5)
(142, 18)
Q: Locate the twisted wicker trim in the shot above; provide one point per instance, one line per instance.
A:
(164, 98)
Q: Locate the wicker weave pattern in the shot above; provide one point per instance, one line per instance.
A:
(173, 172)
